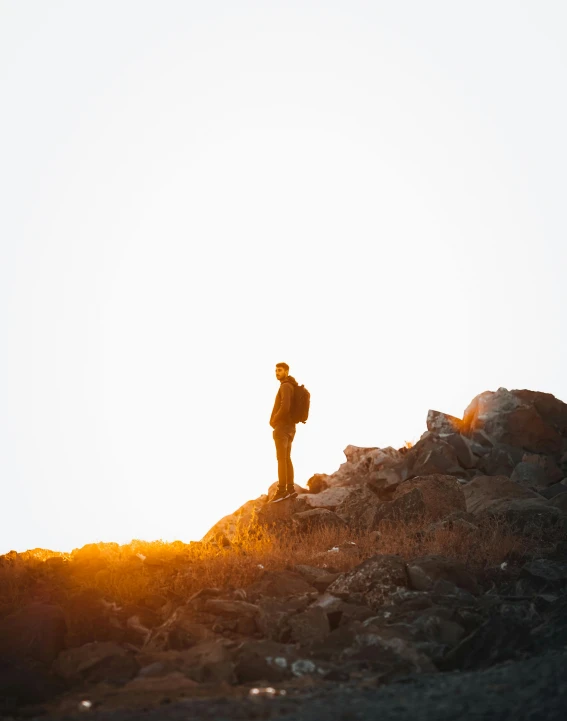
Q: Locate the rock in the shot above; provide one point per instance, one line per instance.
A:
(386, 652)
(234, 524)
(277, 513)
(330, 498)
(528, 516)
(407, 507)
(434, 625)
(441, 494)
(551, 491)
(545, 572)
(273, 620)
(232, 609)
(372, 581)
(311, 573)
(552, 470)
(309, 627)
(274, 487)
(348, 613)
(317, 518)
(318, 483)
(355, 454)
(96, 662)
(560, 502)
(442, 423)
(359, 508)
(430, 455)
(320, 578)
(520, 418)
(499, 461)
(264, 661)
(244, 520)
(364, 465)
(457, 521)
(463, 448)
(497, 639)
(425, 571)
(483, 491)
(178, 632)
(35, 632)
(279, 584)
(530, 475)
(210, 662)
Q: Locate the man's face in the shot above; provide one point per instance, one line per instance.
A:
(281, 373)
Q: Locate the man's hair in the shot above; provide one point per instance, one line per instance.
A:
(283, 365)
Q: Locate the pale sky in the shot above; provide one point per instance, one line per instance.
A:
(190, 192)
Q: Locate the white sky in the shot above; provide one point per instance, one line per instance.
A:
(190, 192)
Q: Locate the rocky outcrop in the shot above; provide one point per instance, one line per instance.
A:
(387, 617)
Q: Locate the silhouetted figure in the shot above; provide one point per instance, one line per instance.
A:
(284, 432)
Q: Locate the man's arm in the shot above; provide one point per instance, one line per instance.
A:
(285, 405)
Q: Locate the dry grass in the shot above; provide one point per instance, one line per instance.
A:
(175, 571)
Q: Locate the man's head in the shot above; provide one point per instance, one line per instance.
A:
(282, 371)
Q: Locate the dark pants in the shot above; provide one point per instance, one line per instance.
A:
(283, 438)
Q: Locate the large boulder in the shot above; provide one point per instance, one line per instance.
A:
(530, 475)
(524, 419)
(359, 508)
(277, 513)
(463, 448)
(484, 491)
(549, 464)
(528, 516)
(409, 506)
(441, 494)
(329, 498)
(235, 523)
(500, 460)
(431, 454)
(442, 423)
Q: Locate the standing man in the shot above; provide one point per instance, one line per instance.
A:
(284, 432)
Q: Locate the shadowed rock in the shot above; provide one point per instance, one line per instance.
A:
(484, 491)
(441, 494)
(372, 581)
(317, 518)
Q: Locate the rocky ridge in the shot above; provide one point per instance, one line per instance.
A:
(386, 619)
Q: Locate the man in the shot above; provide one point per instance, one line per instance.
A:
(284, 432)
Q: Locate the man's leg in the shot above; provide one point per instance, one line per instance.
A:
(290, 473)
(281, 439)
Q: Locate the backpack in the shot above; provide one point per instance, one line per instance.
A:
(300, 404)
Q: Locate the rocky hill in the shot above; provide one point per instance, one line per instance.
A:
(423, 582)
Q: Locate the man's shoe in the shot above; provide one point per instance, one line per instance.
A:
(291, 494)
(280, 495)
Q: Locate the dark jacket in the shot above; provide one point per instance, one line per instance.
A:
(282, 406)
